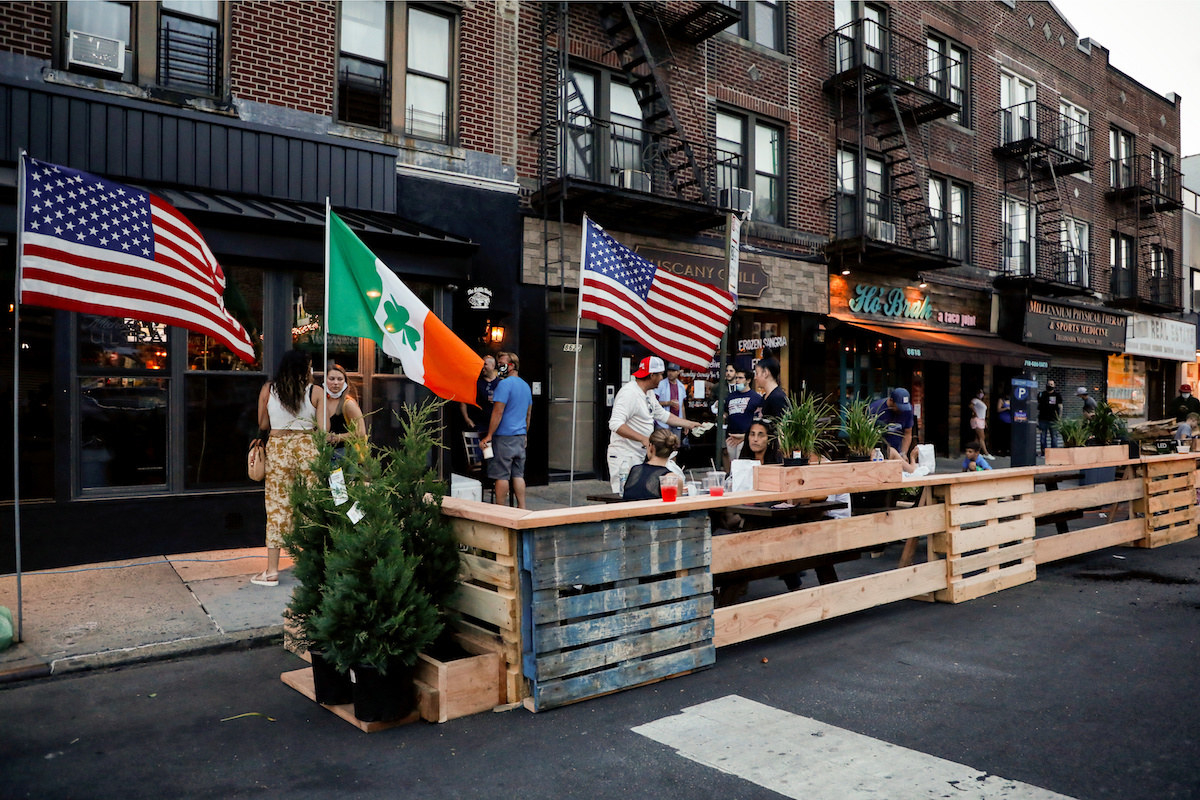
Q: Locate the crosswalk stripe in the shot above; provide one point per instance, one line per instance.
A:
(799, 757)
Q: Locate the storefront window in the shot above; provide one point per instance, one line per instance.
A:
(36, 403)
(308, 325)
(122, 431)
(221, 413)
(244, 301)
(121, 343)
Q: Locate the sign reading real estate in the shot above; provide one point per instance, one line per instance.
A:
(1156, 337)
(1063, 325)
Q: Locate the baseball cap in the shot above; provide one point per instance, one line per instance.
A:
(1186, 387)
(671, 365)
(1081, 391)
(901, 399)
(648, 366)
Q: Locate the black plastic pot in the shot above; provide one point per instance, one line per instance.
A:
(791, 461)
(380, 697)
(332, 688)
(853, 459)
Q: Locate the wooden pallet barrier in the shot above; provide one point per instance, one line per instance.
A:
(615, 604)
(1170, 503)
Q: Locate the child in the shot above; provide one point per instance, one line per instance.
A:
(973, 461)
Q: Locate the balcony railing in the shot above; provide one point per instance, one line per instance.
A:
(1038, 127)
(887, 53)
(1046, 260)
(1164, 289)
(1148, 176)
(881, 220)
(630, 157)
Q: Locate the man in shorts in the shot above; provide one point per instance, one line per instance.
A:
(512, 403)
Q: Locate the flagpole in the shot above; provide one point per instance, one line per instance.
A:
(583, 232)
(17, 395)
(325, 311)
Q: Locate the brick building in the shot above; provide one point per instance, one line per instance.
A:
(942, 195)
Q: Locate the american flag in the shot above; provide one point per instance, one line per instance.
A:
(92, 245)
(677, 318)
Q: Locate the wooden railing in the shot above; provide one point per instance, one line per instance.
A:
(588, 600)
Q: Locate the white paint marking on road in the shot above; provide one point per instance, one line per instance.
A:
(800, 757)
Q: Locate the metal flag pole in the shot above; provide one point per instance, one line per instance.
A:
(325, 311)
(733, 232)
(16, 399)
(583, 234)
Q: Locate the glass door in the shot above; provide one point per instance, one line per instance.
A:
(569, 397)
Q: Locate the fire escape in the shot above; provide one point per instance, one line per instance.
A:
(615, 172)
(886, 89)
(1038, 249)
(1146, 189)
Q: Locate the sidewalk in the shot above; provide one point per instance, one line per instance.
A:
(103, 615)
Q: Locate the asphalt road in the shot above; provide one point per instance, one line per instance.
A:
(1084, 683)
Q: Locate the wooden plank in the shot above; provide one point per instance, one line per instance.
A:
(301, 680)
(1001, 486)
(617, 599)
(1060, 500)
(1086, 456)
(461, 687)
(600, 537)
(1166, 536)
(961, 565)
(965, 515)
(1172, 501)
(1171, 483)
(965, 541)
(484, 536)
(768, 615)
(630, 562)
(625, 676)
(1179, 516)
(486, 570)
(862, 475)
(605, 654)
(987, 583)
(497, 607)
(747, 549)
(548, 638)
(1066, 545)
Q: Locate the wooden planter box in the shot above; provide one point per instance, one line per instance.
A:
(1083, 456)
(856, 476)
(451, 689)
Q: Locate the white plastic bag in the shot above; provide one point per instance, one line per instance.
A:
(741, 477)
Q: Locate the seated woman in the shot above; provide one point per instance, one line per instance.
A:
(642, 483)
(761, 444)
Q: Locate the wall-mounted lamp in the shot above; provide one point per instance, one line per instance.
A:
(495, 334)
(846, 271)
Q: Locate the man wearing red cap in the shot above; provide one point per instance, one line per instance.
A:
(1186, 403)
(631, 422)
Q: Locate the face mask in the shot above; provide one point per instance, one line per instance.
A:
(1187, 395)
(337, 394)
(502, 369)
(739, 387)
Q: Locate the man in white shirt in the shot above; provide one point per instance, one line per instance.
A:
(672, 395)
(631, 422)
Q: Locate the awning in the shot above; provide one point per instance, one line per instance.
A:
(955, 348)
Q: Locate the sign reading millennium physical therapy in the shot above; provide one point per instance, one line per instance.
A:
(752, 280)
(1064, 325)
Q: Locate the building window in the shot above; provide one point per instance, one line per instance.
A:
(363, 80)
(870, 25)
(98, 39)
(427, 94)
(1017, 222)
(1074, 133)
(1121, 265)
(1075, 253)
(1196, 290)
(1162, 269)
(876, 208)
(189, 46)
(948, 205)
(949, 73)
(1018, 112)
(1161, 169)
(761, 23)
(751, 157)
(1120, 155)
(603, 111)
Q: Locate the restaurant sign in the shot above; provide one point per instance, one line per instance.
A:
(869, 299)
(710, 270)
(1066, 325)
(1156, 337)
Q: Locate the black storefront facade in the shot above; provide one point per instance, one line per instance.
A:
(133, 435)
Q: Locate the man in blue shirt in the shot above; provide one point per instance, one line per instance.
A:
(895, 411)
(512, 403)
(741, 407)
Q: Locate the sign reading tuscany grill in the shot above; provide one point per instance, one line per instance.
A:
(1065, 325)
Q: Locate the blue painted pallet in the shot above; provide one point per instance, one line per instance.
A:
(610, 605)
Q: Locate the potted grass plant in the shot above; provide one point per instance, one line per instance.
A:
(805, 430)
(1078, 432)
(863, 429)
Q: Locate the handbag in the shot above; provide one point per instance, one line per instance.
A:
(256, 461)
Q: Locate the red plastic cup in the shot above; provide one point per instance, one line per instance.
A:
(716, 491)
(669, 493)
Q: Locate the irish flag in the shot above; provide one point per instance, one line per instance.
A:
(366, 299)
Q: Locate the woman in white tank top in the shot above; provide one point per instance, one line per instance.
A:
(292, 407)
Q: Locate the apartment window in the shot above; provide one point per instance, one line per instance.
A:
(363, 80)
(1120, 155)
(752, 158)
(605, 139)
(427, 84)
(1196, 290)
(189, 46)
(761, 23)
(1017, 221)
(1161, 171)
(98, 39)
(948, 204)
(949, 71)
(875, 202)
(1074, 132)
(1018, 112)
(1121, 264)
(1075, 253)
(1162, 271)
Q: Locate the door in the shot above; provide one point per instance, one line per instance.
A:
(563, 389)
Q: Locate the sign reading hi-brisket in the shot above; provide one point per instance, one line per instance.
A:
(1074, 326)
(752, 280)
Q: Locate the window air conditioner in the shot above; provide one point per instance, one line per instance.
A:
(1079, 149)
(96, 52)
(736, 199)
(634, 179)
(881, 231)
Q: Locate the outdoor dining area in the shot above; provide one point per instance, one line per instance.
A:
(594, 598)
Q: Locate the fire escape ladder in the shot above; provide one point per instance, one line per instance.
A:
(557, 89)
(643, 52)
(909, 176)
